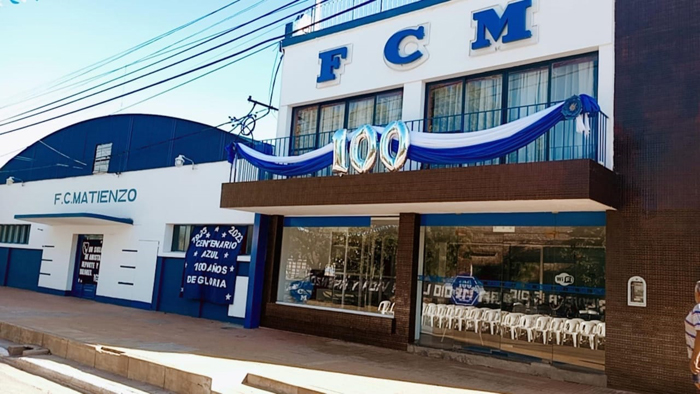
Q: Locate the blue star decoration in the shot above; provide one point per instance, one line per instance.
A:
(211, 270)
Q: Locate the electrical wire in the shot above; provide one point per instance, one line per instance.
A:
(61, 153)
(160, 52)
(196, 78)
(126, 52)
(221, 34)
(210, 72)
(186, 72)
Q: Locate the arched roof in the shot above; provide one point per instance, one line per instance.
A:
(139, 142)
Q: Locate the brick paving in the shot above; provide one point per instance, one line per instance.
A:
(227, 353)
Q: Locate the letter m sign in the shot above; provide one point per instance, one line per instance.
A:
(514, 18)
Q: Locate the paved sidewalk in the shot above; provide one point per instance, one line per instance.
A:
(227, 353)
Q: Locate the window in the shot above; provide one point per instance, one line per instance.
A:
(102, 154)
(350, 268)
(14, 233)
(181, 239)
(520, 290)
(313, 125)
(477, 102)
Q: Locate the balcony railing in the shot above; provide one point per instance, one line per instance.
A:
(306, 20)
(562, 142)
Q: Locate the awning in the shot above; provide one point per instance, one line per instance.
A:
(69, 219)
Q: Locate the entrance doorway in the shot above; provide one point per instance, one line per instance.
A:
(87, 266)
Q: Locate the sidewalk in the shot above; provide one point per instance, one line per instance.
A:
(227, 353)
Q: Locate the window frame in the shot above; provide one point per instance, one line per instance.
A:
(101, 160)
(319, 105)
(246, 248)
(15, 234)
(504, 73)
(279, 270)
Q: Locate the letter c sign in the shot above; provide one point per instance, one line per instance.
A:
(406, 48)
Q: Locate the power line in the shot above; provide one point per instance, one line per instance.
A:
(189, 71)
(158, 53)
(225, 32)
(61, 153)
(196, 78)
(133, 49)
(192, 70)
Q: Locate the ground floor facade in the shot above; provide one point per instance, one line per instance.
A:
(120, 239)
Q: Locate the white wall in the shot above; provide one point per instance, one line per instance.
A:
(562, 28)
(165, 196)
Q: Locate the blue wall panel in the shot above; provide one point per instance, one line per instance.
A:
(170, 301)
(23, 269)
(4, 260)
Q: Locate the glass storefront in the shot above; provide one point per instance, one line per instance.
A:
(351, 268)
(523, 293)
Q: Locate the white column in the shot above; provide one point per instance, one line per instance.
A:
(284, 121)
(413, 101)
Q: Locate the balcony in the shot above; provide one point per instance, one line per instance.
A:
(561, 143)
(305, 22)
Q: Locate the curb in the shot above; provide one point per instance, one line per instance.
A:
(108, 360)
(275, 386)
(65, 380)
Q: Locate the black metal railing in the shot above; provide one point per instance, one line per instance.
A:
(562, 142)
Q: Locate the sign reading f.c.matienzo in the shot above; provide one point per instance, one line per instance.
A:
(113, 196)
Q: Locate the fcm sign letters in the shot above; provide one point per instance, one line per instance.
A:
(494, 28)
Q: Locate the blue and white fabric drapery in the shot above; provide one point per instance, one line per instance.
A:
(441, 148)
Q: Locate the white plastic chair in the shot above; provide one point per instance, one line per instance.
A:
(600, 335)
(440, 313)
(447, 316)
(490, 319)
(571, 330)
(525, 324)
(384, 307)
(467, 315)
(510, 323)
(587, 332)
(429, 313)
(391, 309)
(540, 329)
(459, 314)
(475, 319)
(554, 329)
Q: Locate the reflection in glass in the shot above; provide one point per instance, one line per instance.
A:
(541, 293)
(339, 267)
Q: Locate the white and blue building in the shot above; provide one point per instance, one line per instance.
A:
(132, 187)
(491, 238)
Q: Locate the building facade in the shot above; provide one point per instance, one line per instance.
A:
(548, 256)
(104, 209)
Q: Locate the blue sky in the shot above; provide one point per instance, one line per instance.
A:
(43, 40)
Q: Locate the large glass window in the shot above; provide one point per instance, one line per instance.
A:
(14, 233)
(477, 102)
(350, 268)
(528, 293)
(314, 125)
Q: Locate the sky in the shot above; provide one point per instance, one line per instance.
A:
(45, 40)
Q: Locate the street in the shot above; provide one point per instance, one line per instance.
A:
(15, 381)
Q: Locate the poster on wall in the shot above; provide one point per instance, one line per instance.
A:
(211, 263)
(90, 257)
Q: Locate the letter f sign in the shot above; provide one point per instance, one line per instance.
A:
(514, 18)
(332, 63)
